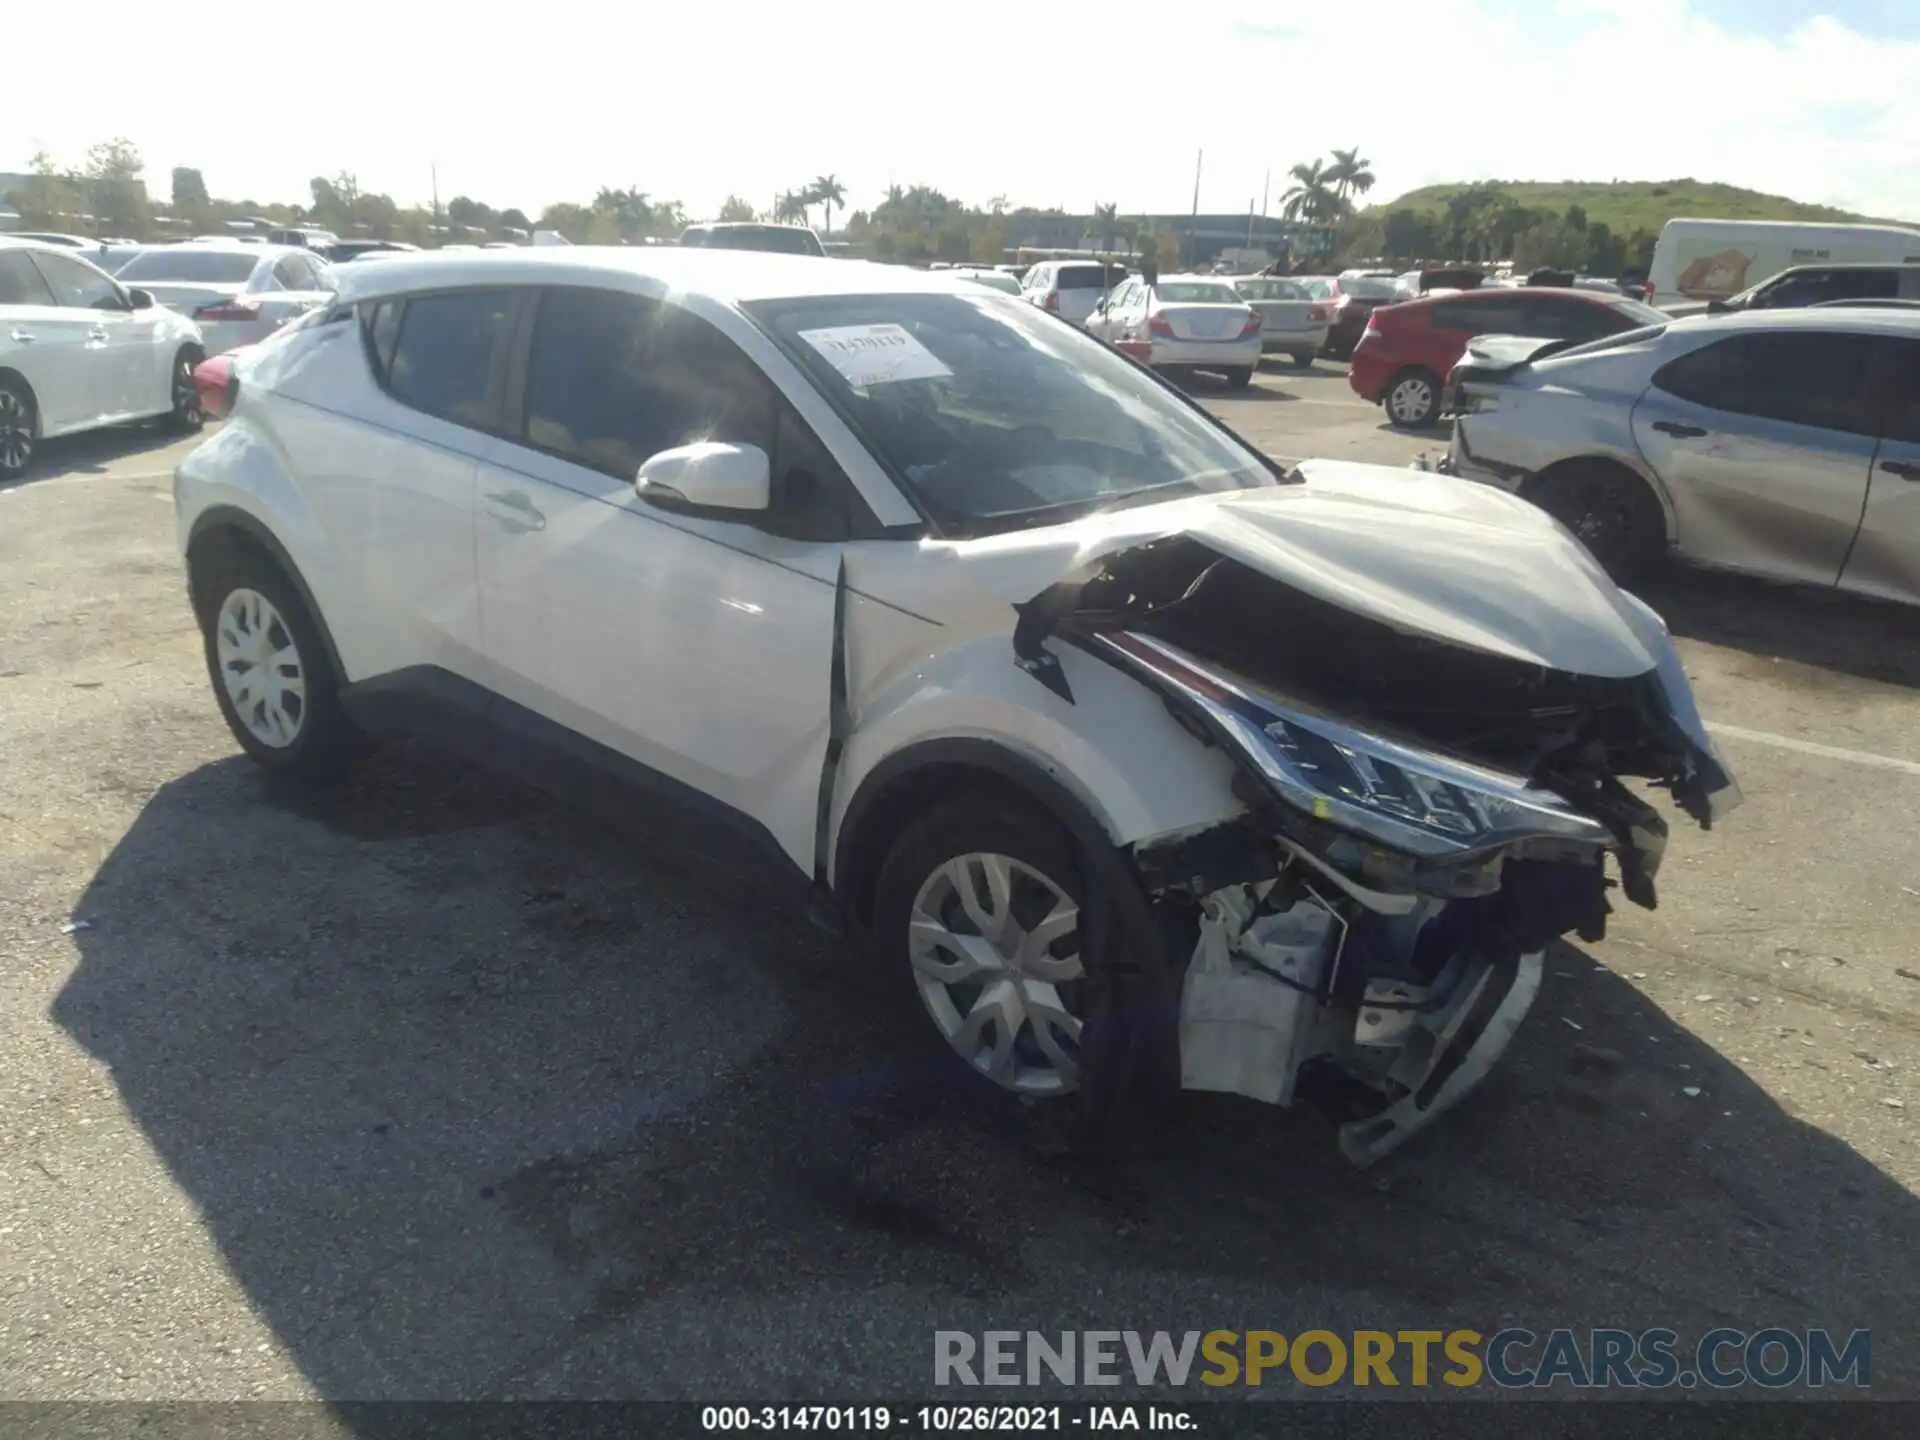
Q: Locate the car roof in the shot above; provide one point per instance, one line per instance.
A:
(28, 242)
(1585, 296)
(1891, 321)
(257, 253)
(733, 276)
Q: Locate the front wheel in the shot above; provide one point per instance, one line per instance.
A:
(1412, 399)
(1239, 377)
(978, 910)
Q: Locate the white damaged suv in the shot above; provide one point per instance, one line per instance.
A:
(1135, 758)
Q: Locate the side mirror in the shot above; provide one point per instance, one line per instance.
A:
(140, 299)
(707, 476)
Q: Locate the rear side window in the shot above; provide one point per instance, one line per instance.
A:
(444, 353)
(1480, 315)
(383, 332)
(1901, 418)
(1804, 378)
(20, 283)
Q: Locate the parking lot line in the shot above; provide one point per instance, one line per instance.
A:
(1808, 747)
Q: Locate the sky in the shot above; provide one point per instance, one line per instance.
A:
(530, 103)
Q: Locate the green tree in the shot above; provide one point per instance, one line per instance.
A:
(118, 198)
(790, 208)
(511, 219)
(189, 192)
(50, 200)
(826, 192)
(736, 210)
(1106, 224)
(1576, 218)
(568, 219)
(1409, 235)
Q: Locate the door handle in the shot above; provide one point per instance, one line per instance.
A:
(21, 337)
(1905, 469)
(515, 513)
(1679, 431)
(98, 333)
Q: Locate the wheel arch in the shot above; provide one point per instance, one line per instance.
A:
(12, 376)
(1530, 487)
(223, 530)
(909, 782)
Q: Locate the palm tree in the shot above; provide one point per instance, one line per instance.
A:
(1105, 221)
(1349, 174)
(829, 192)
(788, 208)
(1311, 197)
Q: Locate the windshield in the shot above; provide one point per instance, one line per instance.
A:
(999, 416)
(1195, 292)
(218, 267)
(993, 279)
(780, 239)
(1089, 277)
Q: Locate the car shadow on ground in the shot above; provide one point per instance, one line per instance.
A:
(93, 452)
(461, 1082)
(1820, 627)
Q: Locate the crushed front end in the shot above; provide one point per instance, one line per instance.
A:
(1423, 819)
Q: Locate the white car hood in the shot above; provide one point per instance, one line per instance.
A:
(1426, 554)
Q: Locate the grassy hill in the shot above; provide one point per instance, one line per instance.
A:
(1628, 205)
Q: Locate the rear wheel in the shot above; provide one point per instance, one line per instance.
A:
(186, 414)
(978, 912)
(1303, 358)
(19, 424)
(271, 675)
(1610, 510)
(1239, 377)
(1412, 399)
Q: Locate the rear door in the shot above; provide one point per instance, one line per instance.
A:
(1885, 560)
(1764, 442)
(46, 343)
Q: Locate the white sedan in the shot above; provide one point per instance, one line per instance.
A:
(79, 350)
(1056, 697)
(237, 294)
(1182, 323)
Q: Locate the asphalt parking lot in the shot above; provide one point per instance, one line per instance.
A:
(431, 1088)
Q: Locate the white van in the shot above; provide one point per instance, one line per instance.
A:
(1701, 260)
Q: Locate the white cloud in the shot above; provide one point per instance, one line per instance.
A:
(525, 104)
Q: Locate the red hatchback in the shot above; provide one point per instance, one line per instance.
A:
(1407, 350)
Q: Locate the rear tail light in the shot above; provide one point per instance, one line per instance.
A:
(1373, 322)
(1160, 329)
(1316, 313)
(1052, 302)
(217, 385)
(1647, 289)
(1252, 327)
(229, 310)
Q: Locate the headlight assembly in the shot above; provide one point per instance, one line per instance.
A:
(1427, 805)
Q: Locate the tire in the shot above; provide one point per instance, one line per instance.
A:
(964, 993)
(1303, 358)
(249, 608)
(1412, 399)
(186, 417)
(1239, 377)
(1610, 510)
(19, 429)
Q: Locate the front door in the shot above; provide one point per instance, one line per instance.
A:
(47, 344)
(1764, 442)
(697, 646)
(1886, 554)
(97, 313)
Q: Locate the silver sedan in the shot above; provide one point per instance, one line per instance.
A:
(1782, 443)
(237, 294)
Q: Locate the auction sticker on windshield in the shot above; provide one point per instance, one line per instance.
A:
(875, 354)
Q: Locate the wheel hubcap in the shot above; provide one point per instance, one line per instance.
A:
(260, 666)
(16, 432)
(995, 948)
(1411, 399)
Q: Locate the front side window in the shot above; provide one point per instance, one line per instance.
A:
(1480, 315)
(1900, 417)
(20, 283)
(1804, 378)
(445, 350)
(994, 421)
(76, 285)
